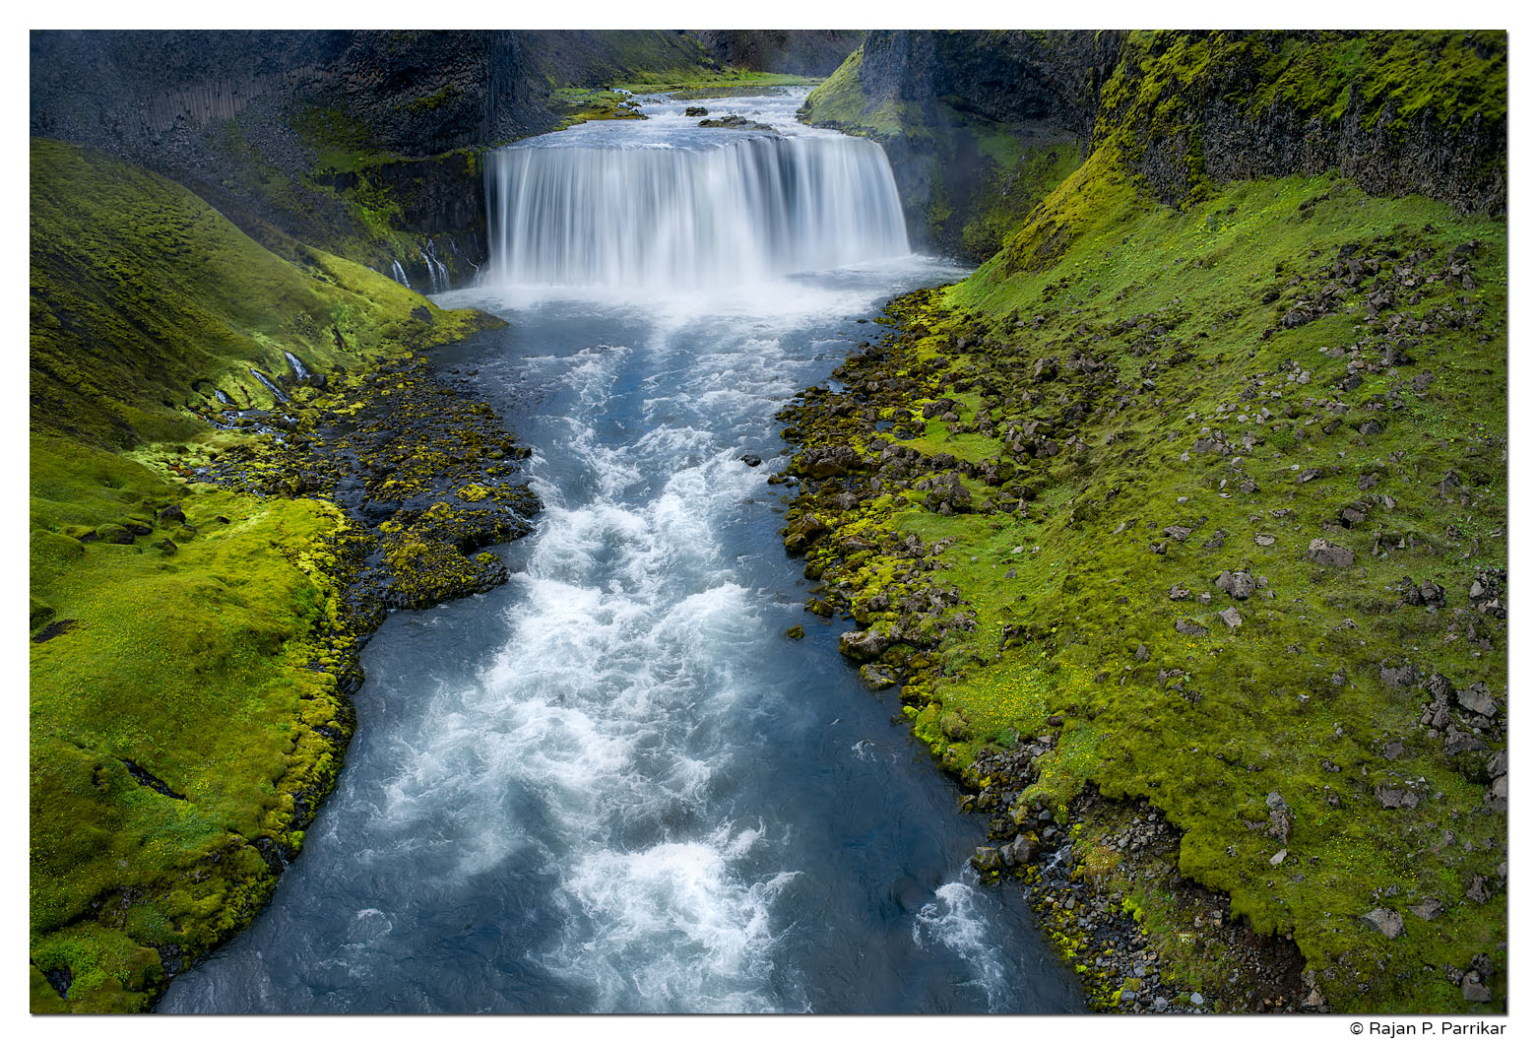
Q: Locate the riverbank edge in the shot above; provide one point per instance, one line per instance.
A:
(1093, 928)
(1068, 850)
(365, 563)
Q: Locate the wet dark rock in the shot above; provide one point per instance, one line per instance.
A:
(733, 121)
(695, 110)
(58, 628)
(863, 644)
(802, 532)
(987, 860)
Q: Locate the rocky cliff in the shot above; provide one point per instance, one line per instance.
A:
(963, 115)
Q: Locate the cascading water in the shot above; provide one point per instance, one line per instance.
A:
(614, 783)
(732, 208)
(398, 273)
(437, 271)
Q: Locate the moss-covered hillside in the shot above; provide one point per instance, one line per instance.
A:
(1205, 507)
(189, 643)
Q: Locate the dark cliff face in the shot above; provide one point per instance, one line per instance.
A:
(804, 52)
(1396, 112)
(1004, 76)
(415, 93)
(251, 120)
(1451, 148)
(975, 123)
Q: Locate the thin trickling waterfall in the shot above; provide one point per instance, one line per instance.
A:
(399, 274)
(739, 211)
(437, 272)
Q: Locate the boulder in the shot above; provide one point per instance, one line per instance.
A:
(1427, 909)
(987, 860)
(1240, 584)
(1321, 552)
(863, 644)
(802, 532)
(1477, 699)
(1388, 921)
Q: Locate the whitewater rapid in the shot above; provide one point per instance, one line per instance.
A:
(614, 784)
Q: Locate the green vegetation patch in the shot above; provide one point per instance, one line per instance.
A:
(1243, 552)
(146, 302)
(183, 726)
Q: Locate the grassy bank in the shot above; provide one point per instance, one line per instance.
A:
(1214, 498)
(189, 642)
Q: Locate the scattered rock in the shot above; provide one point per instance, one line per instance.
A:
(1190, 628)
(1427, 909)
(1388, 921)
(1240, 584)
(1321, 552)
(1279, 817)
(1230, 617)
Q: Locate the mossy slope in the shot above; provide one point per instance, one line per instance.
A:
(145, 300)
(189, 644)
(1130, 401)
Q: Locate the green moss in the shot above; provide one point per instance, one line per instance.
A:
(145, 300)
(210, 667)
(1185, 309)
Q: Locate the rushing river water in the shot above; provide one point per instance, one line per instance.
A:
(614, 784)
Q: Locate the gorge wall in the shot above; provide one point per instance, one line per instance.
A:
(364, 143)
(967, 117)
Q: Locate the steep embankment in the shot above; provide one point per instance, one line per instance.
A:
(1203, 509)
(192, 644)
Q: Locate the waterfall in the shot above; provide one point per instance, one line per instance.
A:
(437, 271)
(399, 274)
(299, 371)
(266, 382)
(746, 209)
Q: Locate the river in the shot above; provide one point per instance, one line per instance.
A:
(614, 784)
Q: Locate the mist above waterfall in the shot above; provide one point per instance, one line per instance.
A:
(737, 209)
